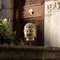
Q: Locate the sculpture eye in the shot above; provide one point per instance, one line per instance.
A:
(27, 31)
(31, 30)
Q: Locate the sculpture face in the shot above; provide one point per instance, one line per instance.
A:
(30, 32)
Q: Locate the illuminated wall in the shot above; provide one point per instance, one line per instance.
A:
(52, 23)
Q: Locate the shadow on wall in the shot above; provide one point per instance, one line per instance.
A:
(18, 15)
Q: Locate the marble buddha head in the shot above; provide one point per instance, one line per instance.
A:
(30, 32)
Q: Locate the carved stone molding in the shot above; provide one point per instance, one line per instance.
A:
(30, 2)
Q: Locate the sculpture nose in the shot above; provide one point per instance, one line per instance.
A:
(28, 32)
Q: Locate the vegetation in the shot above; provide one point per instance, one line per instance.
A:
(6, 36)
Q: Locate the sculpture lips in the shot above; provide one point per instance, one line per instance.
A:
(29, 34)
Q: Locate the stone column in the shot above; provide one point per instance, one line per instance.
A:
(0, 6)
(7, 11)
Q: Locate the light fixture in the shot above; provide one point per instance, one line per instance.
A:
(30, 11)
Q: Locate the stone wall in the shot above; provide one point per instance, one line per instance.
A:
(28, 53)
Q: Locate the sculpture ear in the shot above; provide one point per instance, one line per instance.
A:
(35, 34)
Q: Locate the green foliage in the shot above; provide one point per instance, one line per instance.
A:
(6, 36)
